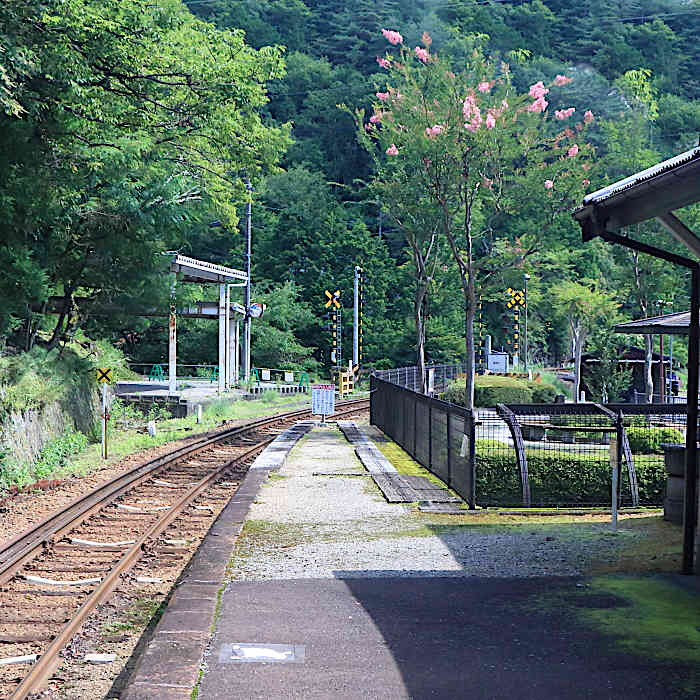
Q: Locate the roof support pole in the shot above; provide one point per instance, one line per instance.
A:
(680, 232)
(222, 337)
(172, 341)
(690, 505)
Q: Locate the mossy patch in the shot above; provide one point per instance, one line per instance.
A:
(655, 618)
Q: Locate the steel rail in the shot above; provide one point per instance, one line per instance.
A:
(47, 662)
(25, 546)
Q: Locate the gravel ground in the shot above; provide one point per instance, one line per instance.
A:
(306, 526)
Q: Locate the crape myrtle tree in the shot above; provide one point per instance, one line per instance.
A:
(482, 155)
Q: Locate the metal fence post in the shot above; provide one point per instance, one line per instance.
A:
(415, 426)
(449, 450)
(430, 435)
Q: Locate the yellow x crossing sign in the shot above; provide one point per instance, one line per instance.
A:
(333, 299)
(104, 375)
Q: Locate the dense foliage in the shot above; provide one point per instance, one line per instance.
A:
(126, 129)
(560, 478)
(492, 390)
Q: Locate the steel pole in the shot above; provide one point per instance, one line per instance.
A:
(246, 296)
(526, 278)
(356, 319)
(690, 504)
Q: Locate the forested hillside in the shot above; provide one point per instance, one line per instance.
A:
(128, 129)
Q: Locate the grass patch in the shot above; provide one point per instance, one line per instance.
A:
(138, 616)
(123, 442)
(654, 618)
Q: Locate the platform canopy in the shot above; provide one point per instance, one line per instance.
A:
(655, 193)
(664, 187)
(668, 324)
(201, 272)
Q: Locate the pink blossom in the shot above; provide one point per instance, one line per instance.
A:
(369, 127)
(564, 113)
(426, 39)
(383, 96)
(490, 121)
(383, 62)
(450, 74)
(484, 86)
(538, 90)
(422, 54)
(469, 106)
(568, 133)
(392, 150)
(539, 105)
(476, 121)
(586, 182)
(486, 182)
(549, 184)
(376, 118)
(432, 131)
(392, 37)
(573, 151)
(562, 80)
(588, 117)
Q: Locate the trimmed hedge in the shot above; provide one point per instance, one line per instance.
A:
(649, 440)
(559, 479)
(490, 390)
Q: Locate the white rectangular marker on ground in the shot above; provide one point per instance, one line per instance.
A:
(262, 653)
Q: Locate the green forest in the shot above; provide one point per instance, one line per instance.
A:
(129, 128)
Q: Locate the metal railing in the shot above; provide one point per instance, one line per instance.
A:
(534, 454)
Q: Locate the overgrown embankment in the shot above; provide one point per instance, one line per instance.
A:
(49, 405)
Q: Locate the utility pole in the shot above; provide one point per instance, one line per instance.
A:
(246, 296)
(526, 277)
(356, 319)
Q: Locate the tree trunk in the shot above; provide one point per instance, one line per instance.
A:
(576, 339)
(419, 316)
(648, 357)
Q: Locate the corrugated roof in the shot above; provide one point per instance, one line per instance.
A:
(668, 324)
(606, 192)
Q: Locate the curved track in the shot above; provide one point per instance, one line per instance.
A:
(55, 574)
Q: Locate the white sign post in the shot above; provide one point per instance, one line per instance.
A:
(323, 400)
(613, 500)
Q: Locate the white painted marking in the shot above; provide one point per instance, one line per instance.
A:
(260, 653)
(203, 508)
(99, 658)
(92, 543)
(29, 659)
(133, 509)
(148, 579)
(53, 582)
(176, 542)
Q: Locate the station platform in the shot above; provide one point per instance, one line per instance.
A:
(312, 585)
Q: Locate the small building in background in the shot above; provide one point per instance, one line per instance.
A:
(632, 359)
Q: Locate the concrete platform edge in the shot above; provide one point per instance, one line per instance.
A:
(169, 667)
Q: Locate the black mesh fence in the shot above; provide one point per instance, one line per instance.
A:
(535, 454)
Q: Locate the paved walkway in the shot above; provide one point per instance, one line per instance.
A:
(335, 593)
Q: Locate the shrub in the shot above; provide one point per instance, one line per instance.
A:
(559, 479)
(490, 390)
(649, 440)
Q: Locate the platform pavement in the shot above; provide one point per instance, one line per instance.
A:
(370, 606)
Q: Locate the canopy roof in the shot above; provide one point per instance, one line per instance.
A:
(201, 272)
(669, 185)
(669, 324)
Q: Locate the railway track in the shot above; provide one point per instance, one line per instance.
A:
(143, 525)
